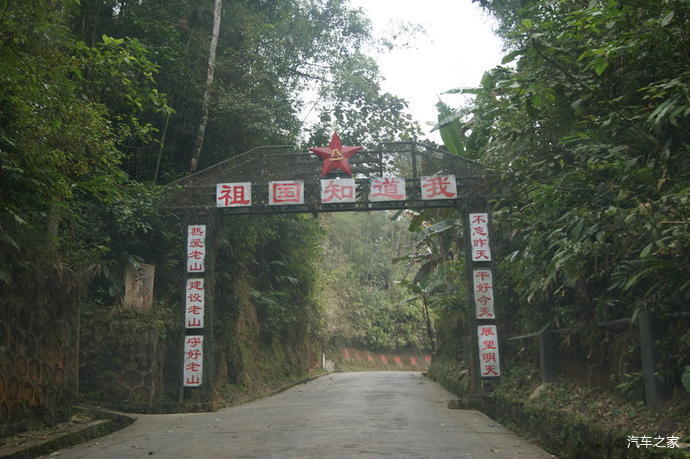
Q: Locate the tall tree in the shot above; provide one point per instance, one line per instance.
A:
(364, 303)
(68, 111)
(353, 102)
(585, 132)
(211, 69)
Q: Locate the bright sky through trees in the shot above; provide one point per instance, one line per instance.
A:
(458, 47)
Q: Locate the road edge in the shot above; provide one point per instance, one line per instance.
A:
(112, 422)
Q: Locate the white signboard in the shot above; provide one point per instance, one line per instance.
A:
(489, 364)
(196, 248)
(483, 294)
(387, 189)
(439, 187)
(193, 360)
(194, 304)
(479, 237)
(336, 191)
(284, 193)
(234, 194)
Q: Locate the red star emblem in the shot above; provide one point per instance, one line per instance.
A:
(335, 156)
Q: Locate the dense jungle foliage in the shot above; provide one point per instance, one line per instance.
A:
(101, 101)
(101, 106)
(364, 301)
(99, 96)
(584, 128)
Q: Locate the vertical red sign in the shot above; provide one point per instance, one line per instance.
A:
(193, 364)
(479, 237)
(489, 363)
(194, 304)
(196, 248)
(483, 294)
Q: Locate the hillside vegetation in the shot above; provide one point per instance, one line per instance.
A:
(583, 130)
(104, 102)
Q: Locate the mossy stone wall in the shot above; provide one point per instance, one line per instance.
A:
(38, 351)
(123, 360)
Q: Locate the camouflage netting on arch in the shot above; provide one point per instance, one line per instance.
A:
(410, 160)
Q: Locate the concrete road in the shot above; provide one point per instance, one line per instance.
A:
(397, 414)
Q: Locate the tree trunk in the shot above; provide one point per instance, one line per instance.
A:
(164, 133)
(94, 28)
(209, 82)
(429, 326)
(53, 225)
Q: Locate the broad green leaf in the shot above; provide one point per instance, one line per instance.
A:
(666, 20)
(600, 64)
(452, 139)
(468, 90)
(9, 240)
(510, 57)
(577, 103)
(5, 275)
(424, 272)
(646, 250)
(527, 23)
(450, 130)
(440, 227)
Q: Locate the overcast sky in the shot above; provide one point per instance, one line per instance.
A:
(458, 47)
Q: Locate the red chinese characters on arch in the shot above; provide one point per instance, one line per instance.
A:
(193, 364)
(439, 187)
(483, 294)
(336, 191)
(387, 189)
(283, 193)
(234, 194)
(196, 248)
(489, 363)
(194, 303)
(479, 237)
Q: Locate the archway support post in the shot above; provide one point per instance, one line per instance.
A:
(198, 370)
(483, 354)
(395, 176)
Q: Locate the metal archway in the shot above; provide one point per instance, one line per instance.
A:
(196, 199)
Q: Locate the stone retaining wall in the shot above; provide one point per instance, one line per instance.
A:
(38, 356)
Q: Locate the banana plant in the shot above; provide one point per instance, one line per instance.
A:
(450, 128)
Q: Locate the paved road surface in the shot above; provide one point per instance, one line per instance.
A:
(397, 414)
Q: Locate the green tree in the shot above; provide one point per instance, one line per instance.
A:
(67, 111)
(359, 285)
(584, 133)
(354, 104)
(269, 52)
